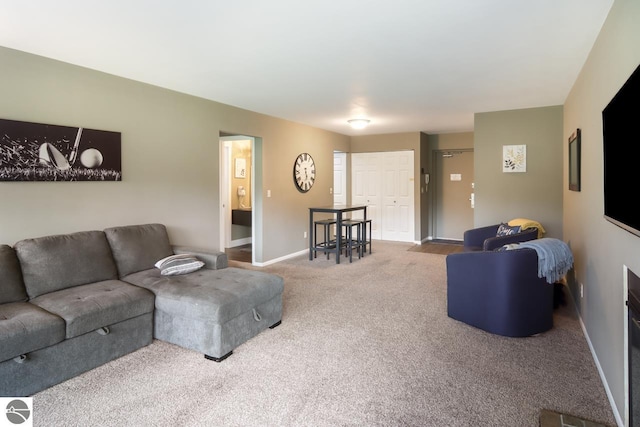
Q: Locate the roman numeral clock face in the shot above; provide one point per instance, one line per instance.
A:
(304, 172)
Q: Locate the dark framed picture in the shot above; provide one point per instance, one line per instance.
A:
(44, 152)
(574, 161)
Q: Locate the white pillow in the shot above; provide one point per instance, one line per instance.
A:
(171, 258)
(179, 264)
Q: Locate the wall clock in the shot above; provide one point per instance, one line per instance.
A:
(304, 172)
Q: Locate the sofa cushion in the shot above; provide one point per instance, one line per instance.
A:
(53, 263)
(89, 307)
(212, 295)
(25, 327)
(11, 286)
(138, 247)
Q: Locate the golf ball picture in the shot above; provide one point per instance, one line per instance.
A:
(91, 158)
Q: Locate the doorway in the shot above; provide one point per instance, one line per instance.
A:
(237, 201)
(454, 193)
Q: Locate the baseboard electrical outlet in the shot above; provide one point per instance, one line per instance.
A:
(581, 291)
(305, 235)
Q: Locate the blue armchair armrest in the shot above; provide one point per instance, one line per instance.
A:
(496, 242)
(473, 240)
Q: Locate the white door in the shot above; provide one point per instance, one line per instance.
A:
(398, 210)
(384, 182)
(225, 194)
(339, 178)
(365, 187)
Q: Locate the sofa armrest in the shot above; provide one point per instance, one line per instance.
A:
(214, 260)
(474, 239)
(499, 241)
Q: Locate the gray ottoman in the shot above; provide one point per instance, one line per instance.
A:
(212, 311)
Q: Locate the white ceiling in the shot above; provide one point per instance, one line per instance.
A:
(407, 65)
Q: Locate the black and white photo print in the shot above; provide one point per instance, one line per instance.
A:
(41, 152)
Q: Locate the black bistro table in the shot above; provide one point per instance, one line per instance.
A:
(338, 210)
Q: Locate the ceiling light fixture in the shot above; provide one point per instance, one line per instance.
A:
(358, 123)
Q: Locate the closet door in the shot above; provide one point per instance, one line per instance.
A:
(397, 197)
(339, 178)
(365, 182)
(384, 182)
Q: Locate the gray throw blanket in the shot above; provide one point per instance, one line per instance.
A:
(554, 257)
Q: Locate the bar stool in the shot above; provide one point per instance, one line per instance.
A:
(366, 237)
(351, 242)
(327, 245)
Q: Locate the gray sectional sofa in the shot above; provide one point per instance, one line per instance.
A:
(70, 303)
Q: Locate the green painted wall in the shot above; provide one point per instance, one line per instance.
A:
(170, 157)
(601, 249)
(534, 194)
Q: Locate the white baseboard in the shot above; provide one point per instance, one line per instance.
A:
(282, 258)
(607, 389)
(240, 242)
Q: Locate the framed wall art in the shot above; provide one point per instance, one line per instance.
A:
(574, 161)
(514, 158)
(241, 168)
(42, 152)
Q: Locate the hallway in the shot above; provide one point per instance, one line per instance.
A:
(239, 253)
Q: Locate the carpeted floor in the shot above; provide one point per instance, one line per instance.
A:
(366, 343)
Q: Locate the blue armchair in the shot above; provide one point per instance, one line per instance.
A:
(499, 292)
(485, 238)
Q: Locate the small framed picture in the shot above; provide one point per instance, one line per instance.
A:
(574, 161)
(514, 158)
(241, 168)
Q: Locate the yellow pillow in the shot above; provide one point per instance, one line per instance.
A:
(527, 223)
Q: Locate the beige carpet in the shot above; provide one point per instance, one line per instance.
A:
(361, 344)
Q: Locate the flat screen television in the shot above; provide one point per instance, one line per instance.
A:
(621, 142)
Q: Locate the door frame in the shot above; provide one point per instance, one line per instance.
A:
(434, 181)
(225, 168)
